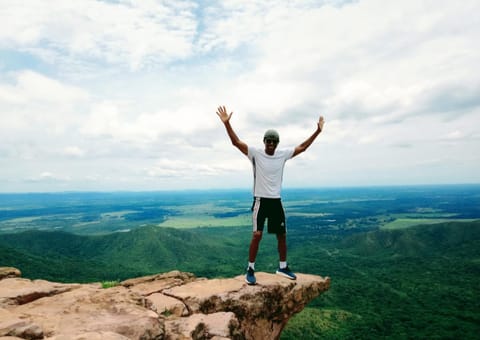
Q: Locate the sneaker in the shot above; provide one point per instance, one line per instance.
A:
(286, 272)
(250, 277)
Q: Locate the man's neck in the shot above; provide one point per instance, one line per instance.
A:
(270, 153)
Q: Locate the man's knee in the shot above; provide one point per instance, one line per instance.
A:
(257, 235)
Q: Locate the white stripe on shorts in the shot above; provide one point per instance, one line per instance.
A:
(256, 208)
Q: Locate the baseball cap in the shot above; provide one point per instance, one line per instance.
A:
(271, 134)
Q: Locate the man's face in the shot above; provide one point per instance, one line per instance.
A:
(270, 145)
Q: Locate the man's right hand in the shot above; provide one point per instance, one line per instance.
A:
(222, 113)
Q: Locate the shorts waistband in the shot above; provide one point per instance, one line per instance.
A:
(267, 198)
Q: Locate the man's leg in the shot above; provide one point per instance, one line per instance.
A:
(252, 254)
(282, 253)
(278, 226)
(282, 247)
(258, 221)
(254, 245)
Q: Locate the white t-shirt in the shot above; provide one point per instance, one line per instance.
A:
(268, 171)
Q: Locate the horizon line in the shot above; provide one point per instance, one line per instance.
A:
(238, 189)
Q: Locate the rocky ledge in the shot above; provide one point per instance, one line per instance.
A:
(173, 305)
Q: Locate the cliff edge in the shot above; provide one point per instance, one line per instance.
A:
(172, 305)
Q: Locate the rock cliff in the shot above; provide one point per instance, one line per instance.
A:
(172, 305)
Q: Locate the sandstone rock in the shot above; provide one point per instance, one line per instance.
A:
(220, 325)
(91, 308)
(13, 326)
(173, 278)
(173, 305)
(91, 336)
(17, 291)
(156, 283)
(263, 310)
(196, 294)
(167, 305)
(6, 272)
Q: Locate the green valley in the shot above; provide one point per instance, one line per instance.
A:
(395, 273)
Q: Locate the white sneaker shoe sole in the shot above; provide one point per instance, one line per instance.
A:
(285, 275)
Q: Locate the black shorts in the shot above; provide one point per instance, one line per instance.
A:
(271, 209)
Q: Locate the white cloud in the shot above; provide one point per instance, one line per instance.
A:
(32, 86)
(73, 151)
(37, 115)
(112, 120)
(48, 176)
(363, 59)
(134, 33)
(123, 94)
(179, 169)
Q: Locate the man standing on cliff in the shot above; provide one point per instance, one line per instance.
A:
(268, 164)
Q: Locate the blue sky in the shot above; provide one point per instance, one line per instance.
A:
(121, 95)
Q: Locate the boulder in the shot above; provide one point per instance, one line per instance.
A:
(6, 272)
(172, 305)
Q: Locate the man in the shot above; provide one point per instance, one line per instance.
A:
(268, 164)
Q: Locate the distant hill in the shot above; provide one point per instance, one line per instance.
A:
(68, 257)
(421, 240)
(211, 252)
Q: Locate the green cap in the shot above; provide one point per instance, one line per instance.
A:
(271, 134)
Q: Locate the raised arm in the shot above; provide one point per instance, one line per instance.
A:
(302, 147)
(225, 117)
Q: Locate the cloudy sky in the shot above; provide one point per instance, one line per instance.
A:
(121, 95)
